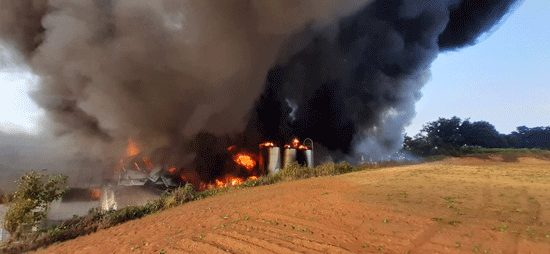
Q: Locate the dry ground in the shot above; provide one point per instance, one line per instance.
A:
(465, 205)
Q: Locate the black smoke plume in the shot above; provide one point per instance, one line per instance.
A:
(356, 91)
(186, 79)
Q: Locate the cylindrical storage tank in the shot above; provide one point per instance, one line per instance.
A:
(308, 153)
(289, 156)
(270, 159)
(306, 157)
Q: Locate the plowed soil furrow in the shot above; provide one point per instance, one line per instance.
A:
(244, 244)
(421, 239)
(188, 245)
(268, 243)
(196, 246)
(294, 239)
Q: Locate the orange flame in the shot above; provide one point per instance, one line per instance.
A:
(131, 151)
(267, 144)
(296, 144)
(219, 183)
(132, 148)
(253, 177)
(225, 181)
(137, 166)
(172, 170)
(94, 194)
(204, 186)
(231, 148)
(245, 161)
(235, 181)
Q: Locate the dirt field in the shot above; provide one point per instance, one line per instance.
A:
(454, 206)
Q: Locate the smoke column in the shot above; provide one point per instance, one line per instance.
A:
(184, 78)
(356, 91)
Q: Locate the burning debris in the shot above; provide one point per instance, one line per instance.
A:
(245, 165)
(134, 170)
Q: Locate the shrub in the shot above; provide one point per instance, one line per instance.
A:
(262, 180)
(115, 217)
(185, 194)
(30, 202)
(179, 196)
(343, 168)
(294, 171)
(211, 192)
(251, 183)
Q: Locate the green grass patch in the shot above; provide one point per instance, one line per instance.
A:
(480, 150)
(435, 158)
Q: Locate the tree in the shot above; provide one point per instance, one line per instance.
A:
(454, 136)
(524, 137)
(29, 207)
(481, 133)
(443, 135)
(418, 145)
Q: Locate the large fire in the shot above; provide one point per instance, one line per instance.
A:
(244, 159)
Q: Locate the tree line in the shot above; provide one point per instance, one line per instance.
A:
(455, 136)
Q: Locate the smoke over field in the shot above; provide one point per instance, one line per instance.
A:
(187, 79)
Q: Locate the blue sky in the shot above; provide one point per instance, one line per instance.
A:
(503, 80)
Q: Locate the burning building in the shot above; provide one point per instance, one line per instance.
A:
(187, 79)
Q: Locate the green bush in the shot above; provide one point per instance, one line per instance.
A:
(179, 196)
(115, 217)
(251, 183)
(29, 207)
(344, 168)
(262, 180)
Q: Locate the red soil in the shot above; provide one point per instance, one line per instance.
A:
(455, 206)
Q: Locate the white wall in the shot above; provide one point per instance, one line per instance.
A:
(3, 234)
